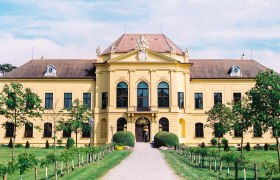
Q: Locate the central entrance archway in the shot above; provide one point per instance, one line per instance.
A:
(142, 129)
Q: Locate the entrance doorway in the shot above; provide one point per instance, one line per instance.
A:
(142, 130)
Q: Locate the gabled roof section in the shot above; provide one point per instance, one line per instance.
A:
(65, 69)
(220, 68)
(157, 42)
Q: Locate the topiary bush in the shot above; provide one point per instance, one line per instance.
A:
(226, 147)
(248, 147)
(47, 144)
(224, 141)
(266, 147)
(124, 138)
(70, 143)
(164, 138)
(203, 145)
(10, 145)
(214, 141)
(27, 145)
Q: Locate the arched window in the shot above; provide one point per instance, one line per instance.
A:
(163, 94)
(182, 128)
(142, 95)
(122, 94)
(164, 124)
(199, 130)
(121, 124)
(48, 130)
(103, 129)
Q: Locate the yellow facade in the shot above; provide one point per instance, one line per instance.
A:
(113, 68)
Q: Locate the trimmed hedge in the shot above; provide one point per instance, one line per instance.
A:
(124, 138)
(164, 138)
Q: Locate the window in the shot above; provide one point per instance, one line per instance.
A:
(66, 131)
(28, 132)
(48, 130)
(218, 98)
(9, 129)
(87, 100)
(257, 130)
(236, 97)
(67, 100)
(237, 132)
(198, 100)
(104, 100)
(29, 100)
(12, 102)
(199, 130)
(180, 99)
(218, 130)
(164, 124)
(48, 100)
(86, 130)
(121, 124)
(122, 94)
(142, 95)
(163, 94)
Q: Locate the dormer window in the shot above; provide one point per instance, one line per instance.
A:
(235, 71)
(51, 71)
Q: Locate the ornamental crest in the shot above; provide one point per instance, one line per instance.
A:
(142, 42)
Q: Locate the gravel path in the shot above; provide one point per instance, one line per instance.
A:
(144, 162)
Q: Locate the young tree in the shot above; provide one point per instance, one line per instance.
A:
(242, 120)
(219, 118)
(78, 116)
(265, 103)
(19, 106)
(4, 68)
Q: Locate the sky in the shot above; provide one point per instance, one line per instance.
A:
(75, 28)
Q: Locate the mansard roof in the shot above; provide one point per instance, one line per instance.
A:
(220, 68)
(66, 69)
(157, 42)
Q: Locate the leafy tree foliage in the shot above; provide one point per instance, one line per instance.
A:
(219, 118)
(19, 105)
(77, 119)
(26, 161)
(265, 97)
(4, 68)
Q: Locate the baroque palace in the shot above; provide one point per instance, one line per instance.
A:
(143, 83)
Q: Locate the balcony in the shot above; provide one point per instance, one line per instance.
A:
(142, 108)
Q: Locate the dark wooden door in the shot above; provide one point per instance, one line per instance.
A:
(139, 133)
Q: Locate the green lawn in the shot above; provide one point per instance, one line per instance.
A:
(91, 171)
(189, 170)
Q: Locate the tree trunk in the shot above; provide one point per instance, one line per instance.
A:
(56, 167)
(36, 174)
(221, 167)
(67, 168)
(278, 151)
(5, 177)
(219, 145)
(255, 172)
(46, 173)
(79, 164)
(76, 138)
(236, 169)
(242, 138)
(61, 169)
(14, 139)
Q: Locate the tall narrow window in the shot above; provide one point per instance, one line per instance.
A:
(164, 124)
(163, 94)
(236, 97)
(104, 100)
(217, 130)
(257, 130)
(122, 94)
(48, 130)
(198, 100)
(66, 130)
(237, 132)
(9, 129)
(28, 132)
(86, 130)
(121, 124)
(142, 95)
(218, 98)
(180, 99)
(87, 100)
(199, 130)
(67, 100)
(48, 100)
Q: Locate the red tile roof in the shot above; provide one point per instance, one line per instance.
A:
(157, 42)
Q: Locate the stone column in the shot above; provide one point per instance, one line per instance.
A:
(153, 89)
(173, 91)
(132, 90)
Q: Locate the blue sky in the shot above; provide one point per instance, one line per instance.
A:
(73, 29)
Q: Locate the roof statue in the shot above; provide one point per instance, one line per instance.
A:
(142, 42)
(113, 48)
(172, 48)
(98, 51)
(187, 52)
